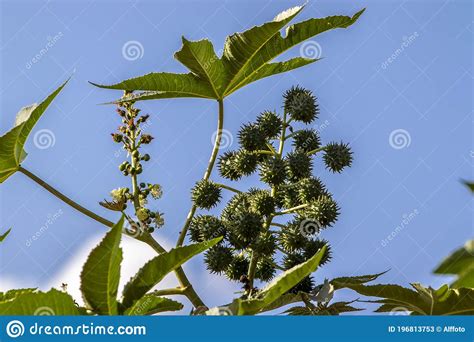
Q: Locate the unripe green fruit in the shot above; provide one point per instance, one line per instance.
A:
(273, 171)
(265, 269)
(142, 185)
(306, 140)
(244, 229)
(270, 124)
(313, 246)
(218, 258)
(237, 268)
(227, 166)
(324, 210)
(146, 157)
(261, 202)
(265, 245)
(251, 137)
(206, 194)
(292, 237)
(337, 156)
(301, 104)
(246, 162)
(310, 189)
(206, 227)
(299, 165)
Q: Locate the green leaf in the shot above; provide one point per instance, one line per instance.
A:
(246, 58)
(460, 263)
(11, 294)
(12, 142)
(157, 268)
(278, 287)
(152, 304)
(422, 300)
(343, 282)
(53, 302)
(4, 235)
(101, 273)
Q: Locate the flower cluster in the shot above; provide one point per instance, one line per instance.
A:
(275, 228)
(130, 135)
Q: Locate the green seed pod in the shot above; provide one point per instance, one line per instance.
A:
(310, 189)
(206, 194)
(270, 124)
(117, 137)
(273, 171)
(227, 166)
(324, 210)
(337, 156)
(205, 227)
(290, 198)
(261, 202)
(238, 203)
(264, 245)
(291, 238)
(313, 246)
(301, 104)
(299, 165)
(246, 162)
(123, 166)
(146, 157)
(142, 185)
(237, 268)
(146, 139)
(306, 140)
(244, 229)
(218, 258)
(251, 137)
(306, 285)
(265, 269)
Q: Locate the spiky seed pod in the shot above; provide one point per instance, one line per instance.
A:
(237, 268)
(306, 140)
(265, 269)
(205, 227)
(218, 258)
(227, 166)
(270, 124)
(244, 229)
(292, 238)
(273, 171)
(251, 137)
(261, 202)
(206, 194)
(299, 165)
(310, 189)
(301, 104)
(324, 210)
(306, 285)
(337, 156)
(290, 197)
(265, 245)
(246, 162)
(313, 246)
(238, 204)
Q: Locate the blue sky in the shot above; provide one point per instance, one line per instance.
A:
(404, 70)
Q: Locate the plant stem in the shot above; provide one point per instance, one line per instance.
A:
(207, 174)
(316, 151)
(168, 292)
(223, 186)
(146, 237)
(65, 199)
(290, 210)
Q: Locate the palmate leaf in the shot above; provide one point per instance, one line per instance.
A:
(151, 304)
(100, 274)
(460, 263)
(246, 58)
(278, 287)
(30, 302)
(12, 142)
(157, 268)
(12, 294)
(421, 300)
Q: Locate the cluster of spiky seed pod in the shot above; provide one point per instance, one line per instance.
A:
(130, 135)
(251, 221)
